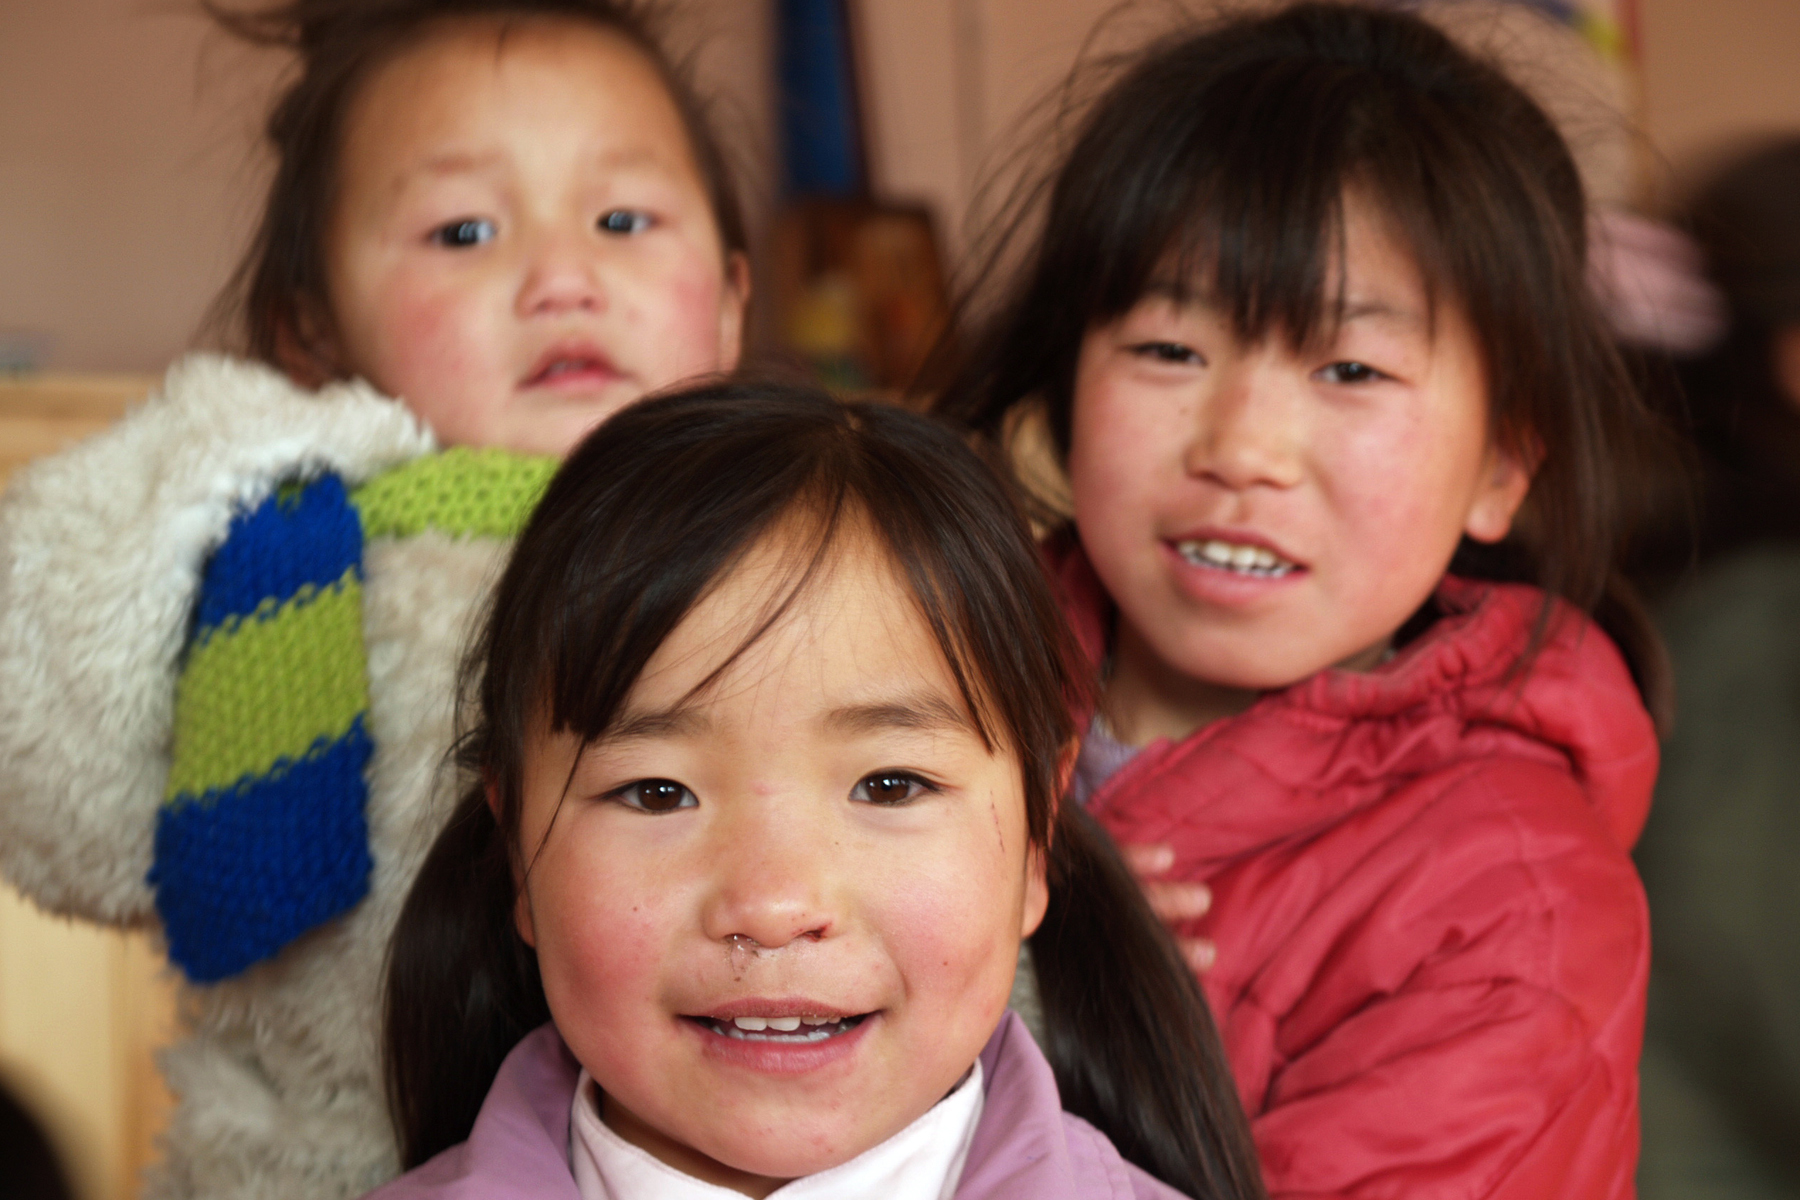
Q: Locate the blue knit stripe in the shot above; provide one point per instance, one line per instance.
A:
(241, 872)
(294, 538)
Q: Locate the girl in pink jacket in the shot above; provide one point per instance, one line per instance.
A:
(769, 730)
(1345, 436)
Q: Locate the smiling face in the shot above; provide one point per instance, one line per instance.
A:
(1260, 513)
(521, 242)
(777, 918)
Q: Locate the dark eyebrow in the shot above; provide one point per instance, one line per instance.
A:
(455, 162)
(680, 721)
(1358, 309)
(924, 712)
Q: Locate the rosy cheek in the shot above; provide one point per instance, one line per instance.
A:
(423, 336)
(677, 310)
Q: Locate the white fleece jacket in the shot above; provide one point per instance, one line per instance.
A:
(277, 1078)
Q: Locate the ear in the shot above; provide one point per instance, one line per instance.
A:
(1505, 479)
(305, 349)
(521, 898)
(734, 303)
(1037, 890)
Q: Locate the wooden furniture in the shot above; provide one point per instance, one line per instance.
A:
(82, 1008)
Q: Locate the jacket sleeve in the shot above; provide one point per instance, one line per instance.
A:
(1481, 1035)
(101, 550)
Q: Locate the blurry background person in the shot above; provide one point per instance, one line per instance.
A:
(1721, 1066)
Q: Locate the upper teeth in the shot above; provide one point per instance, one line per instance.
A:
(1253, 559)
(782, 1024)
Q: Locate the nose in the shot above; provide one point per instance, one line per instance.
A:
(774, 879)
(1249, 429)
(563, 275)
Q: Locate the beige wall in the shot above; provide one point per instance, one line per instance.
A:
(1716, 71)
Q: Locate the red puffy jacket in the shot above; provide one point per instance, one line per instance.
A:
(1433, 947)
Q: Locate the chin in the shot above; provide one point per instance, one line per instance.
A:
(1249, 668)
(790, 1157)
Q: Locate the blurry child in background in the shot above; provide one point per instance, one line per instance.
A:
(229, 626)
(1344, 432)
(759, 826)
(1722, 1050)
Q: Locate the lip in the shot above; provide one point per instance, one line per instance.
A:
(1225, 588)
(596, 368)
(779, 1058)
(786, 1006)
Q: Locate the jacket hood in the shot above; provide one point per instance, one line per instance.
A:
(1333, 741)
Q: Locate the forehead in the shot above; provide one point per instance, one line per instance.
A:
(849, 632)
(476, 87)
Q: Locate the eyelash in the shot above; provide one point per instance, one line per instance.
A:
(1365, 373)
(917, 785)
(633, 794)
(638, 221)
(684, 797)
(1169, 352)
(452, 234)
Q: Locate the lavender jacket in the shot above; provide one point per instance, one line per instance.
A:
(1025, 1145)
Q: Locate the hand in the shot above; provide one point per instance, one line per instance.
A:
(1172, 900)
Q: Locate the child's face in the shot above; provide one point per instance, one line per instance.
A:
(1260, 513)
(818, 841)
(522, 243)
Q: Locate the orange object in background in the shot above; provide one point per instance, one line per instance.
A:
(859, 289)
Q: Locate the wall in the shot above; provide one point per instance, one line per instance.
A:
(1715, 71)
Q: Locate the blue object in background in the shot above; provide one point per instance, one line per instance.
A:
(820, 147)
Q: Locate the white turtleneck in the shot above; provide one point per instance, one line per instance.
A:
(924, 1161)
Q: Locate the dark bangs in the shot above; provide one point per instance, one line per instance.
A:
(1219, 167)
(659, 505)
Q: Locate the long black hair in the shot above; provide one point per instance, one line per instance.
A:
(645, 516)
(278, 296)
(1221, 157)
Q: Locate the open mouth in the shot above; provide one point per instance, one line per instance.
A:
(786, 1030)
(569, 368)
(1256, 561)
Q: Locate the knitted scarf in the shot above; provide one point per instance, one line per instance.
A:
(262, 834)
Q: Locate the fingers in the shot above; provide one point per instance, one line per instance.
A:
(1172, 902)
(1200, 953)
(1148, 858)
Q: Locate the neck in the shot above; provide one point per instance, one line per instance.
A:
(1147, 699)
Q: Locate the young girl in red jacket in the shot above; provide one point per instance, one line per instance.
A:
(1345, 437)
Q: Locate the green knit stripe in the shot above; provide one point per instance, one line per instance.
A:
(266, 687)
(464, 492)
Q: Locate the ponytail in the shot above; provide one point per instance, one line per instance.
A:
(462, 986)
(1126, 1029)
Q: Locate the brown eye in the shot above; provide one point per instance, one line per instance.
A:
(655, 796)
(890, 787)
